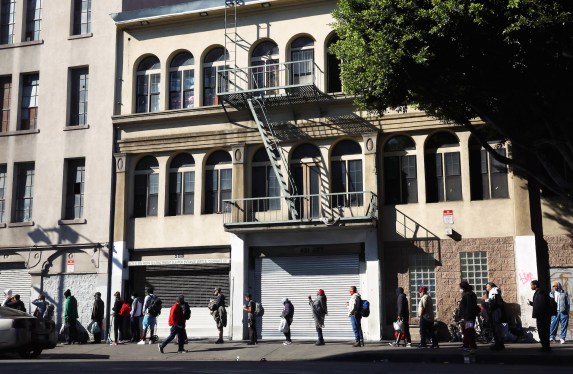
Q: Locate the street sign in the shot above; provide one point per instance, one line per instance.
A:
(71, 266)
(449, 217)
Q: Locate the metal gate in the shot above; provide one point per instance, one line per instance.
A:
(299, 277)
(15, 276)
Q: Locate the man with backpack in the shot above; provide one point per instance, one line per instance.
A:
(186, 309)
(219, 313)
(177, 323)
(355, 314)
(250, 308)
(151, 309)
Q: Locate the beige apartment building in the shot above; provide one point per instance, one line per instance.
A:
(241, 164)
(57, 68)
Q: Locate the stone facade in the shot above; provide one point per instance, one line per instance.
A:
(560, 250)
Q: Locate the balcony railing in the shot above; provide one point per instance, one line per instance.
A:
(328, 209)
(269, 78)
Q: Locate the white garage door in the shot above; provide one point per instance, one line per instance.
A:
(299, 277)
(15, 276)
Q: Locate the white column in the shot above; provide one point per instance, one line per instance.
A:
(371, 289)
(526, 271)
(239, 269)
(118, 272)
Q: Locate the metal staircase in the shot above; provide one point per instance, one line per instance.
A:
(275, 152)
(231, 36)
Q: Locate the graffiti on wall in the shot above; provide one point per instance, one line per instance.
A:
(525, 278)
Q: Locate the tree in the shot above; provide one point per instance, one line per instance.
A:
(508, 62)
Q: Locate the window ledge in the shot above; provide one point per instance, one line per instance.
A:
(80, 36)
(80, 221)
(2, 225)
(19, 132)
(76, 127)
(21, 224)
(22, 44)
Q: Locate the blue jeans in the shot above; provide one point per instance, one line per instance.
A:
(357, 327)
(560, 318)
(180, 332)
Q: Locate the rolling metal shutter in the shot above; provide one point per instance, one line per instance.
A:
(299, 277)
(196, 283)
(15, 276)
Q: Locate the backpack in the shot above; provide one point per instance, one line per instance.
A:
(49, 312)
(186, 310)
(125, 310)
(259, 310)
(365, 308)
(212, 306)
(154, 308)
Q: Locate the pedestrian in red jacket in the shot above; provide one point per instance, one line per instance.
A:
(177, 323)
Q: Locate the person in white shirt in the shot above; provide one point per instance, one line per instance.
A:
(354, 306)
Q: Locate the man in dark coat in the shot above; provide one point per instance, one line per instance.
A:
(496, 314)
(403, 315)
(287, 314)
(98, 311)
(17, 304)
(541, 312)
(468, 313)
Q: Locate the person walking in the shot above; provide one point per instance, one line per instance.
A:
(287, 314)
(135, 316)
(98, 311)
(319, 312)
(561, 297)
(496, 315)
(426, 316)
(149, 320)
(71, 316)
(354, 307)
(403, 315)
(177, 323)
(542, 313)
(468, 313)
(250, 307)
(117, 318)
(219, 313)
(41, 305)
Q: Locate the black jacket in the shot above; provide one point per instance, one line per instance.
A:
(402, 304)
(468, 306)
(288, 311)
(541, 305)
(98, 310)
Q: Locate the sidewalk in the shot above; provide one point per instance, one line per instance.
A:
(206, 350)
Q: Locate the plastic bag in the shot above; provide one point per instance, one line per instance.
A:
(283, 326)
(93, 327)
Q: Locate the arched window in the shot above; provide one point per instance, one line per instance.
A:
(264, 60)
(213, 60)
(148, 84)
(443, 169)
(334, 84)
(218, 181)
(400, 171)
(146, 187)
(488, 177)
(306, 171)
(346, 174)
(264, 183)
(302, 61)
(181, 185)
(182, 81)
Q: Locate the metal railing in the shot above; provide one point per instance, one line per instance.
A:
(269, 78)
(326, 208)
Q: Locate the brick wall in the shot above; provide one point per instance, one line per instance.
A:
(501, 269)
(560, 250)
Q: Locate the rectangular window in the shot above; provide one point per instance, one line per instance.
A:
(146, 195)
(24, 196)
(154, 92)
(181, 193)
(498, 170)
(79, 97)
(153, 197)
(29, 104)
(82, 17)
(488, 177)
(176, 86)
(474, 268)
(5, 94)
(33, 19)
(347, 178)
(442, 186)
(422, 270)
(75, 181)
(7, 21)
(3, 171)
(218, 185)
(265, 184)
(400, 179)
(453, 176)
(209, 85)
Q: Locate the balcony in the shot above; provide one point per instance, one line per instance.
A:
(279, 82)
(320, 210)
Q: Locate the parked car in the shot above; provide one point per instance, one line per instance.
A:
(24, 334)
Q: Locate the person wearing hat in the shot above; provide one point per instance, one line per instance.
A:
(71, 316)
(562, 317)
(177, 323)
(468, 312)
(426, 316)
(319, 312)
(219, 313)
(98, 310)
(496, 314)
(7, 297)
(287, 314)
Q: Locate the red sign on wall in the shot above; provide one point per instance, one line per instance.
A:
(449, 217)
